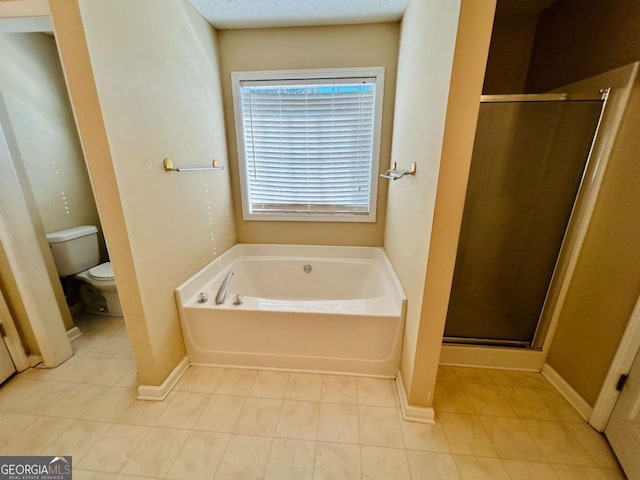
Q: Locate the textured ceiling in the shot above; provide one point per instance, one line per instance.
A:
(223, 14)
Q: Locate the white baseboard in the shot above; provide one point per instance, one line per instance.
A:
(291, 370)
(491, 357)
(567, 391)
(159, 393)
(34, 360)
(412, 413)
(73, 333)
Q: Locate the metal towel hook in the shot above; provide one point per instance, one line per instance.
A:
(394, 174)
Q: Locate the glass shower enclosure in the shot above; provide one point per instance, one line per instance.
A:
(529, 158)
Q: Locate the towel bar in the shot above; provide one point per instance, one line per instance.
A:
(168, 167)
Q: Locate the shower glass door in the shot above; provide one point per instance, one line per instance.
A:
(529, 157)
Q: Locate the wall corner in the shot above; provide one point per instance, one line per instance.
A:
(467, 78)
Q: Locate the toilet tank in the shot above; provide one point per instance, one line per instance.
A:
(74, 249)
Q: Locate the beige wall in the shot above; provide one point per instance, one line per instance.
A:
(469, 63)
(414, 237)
(310, 47)
(576, 39)
(144, 85)
(41, 120)
(425, 59)
(509, 53)
(606, 282)
(27, 273)
(34, 92)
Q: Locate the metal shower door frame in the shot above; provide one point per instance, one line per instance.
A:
(581, 213)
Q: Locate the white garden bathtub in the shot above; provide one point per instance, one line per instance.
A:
(346, 315)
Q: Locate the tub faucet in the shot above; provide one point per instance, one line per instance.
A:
(221, 296)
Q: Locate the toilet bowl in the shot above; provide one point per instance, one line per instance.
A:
(99, 292)
(76, 255)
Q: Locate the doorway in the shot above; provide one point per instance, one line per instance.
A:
(49, 165)
(623, 428)
(529, 158)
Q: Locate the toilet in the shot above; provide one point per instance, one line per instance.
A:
(76, 254)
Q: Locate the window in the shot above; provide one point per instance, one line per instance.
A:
(308, 143)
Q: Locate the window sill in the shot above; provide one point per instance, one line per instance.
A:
(312, 217)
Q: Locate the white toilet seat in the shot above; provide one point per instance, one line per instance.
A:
(104, 271)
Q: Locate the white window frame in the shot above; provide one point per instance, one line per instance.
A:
(302, 75)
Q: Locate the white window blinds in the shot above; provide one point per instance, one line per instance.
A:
(308, 145)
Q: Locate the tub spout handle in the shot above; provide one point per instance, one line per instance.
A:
(221, 296)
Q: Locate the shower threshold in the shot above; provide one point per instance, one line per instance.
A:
(487, 342)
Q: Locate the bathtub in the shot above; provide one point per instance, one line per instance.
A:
(345, 315)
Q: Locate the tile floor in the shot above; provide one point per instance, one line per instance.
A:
(245, 424)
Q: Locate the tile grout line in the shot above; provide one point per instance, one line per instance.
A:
(359, 427)
(134, 450)
(406, 450)
(273, 439)
(89, 449)
(226, 448)
(564, 424)
(129, 456)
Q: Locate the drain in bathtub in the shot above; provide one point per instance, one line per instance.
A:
(307, 268)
